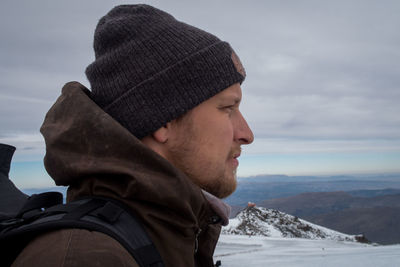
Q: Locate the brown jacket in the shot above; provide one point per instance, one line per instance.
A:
(92, 154)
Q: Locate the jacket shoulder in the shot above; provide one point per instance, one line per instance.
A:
(74, 247)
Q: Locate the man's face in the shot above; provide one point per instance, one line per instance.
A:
(206, 142)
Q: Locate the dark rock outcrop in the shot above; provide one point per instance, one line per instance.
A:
(11, 198)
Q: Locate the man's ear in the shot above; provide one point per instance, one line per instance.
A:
(161, 135)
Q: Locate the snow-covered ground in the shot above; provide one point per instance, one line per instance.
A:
(261, 251)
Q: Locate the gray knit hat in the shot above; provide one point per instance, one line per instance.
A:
(150, 68)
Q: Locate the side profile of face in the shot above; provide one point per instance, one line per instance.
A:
(206, 142)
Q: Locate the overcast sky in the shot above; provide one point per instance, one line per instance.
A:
(322, 92)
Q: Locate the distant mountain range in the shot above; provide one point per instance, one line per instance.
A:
(309, 204)
(31, 191)
(260, 188)
(259, 221)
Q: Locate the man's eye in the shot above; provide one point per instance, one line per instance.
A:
(229, 109)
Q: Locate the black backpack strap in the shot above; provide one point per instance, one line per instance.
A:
(133, 234)
(96, 214)
(41, 201)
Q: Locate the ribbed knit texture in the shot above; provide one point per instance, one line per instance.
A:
(151, 69)
(6, 154)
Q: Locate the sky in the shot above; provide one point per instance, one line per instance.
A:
(321, 94)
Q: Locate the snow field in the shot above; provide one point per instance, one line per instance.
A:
(259, 251)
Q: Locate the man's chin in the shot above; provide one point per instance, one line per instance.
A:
(226, 192)
(223, 190)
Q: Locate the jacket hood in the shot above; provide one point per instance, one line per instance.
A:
(87, 150)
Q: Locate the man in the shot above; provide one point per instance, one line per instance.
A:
(160, 131)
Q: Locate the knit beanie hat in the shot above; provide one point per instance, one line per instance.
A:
(150, 68)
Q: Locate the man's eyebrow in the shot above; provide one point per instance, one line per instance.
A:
(237, 100)
(231, 98)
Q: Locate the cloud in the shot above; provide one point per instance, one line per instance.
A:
(270, 146)
(322, 71)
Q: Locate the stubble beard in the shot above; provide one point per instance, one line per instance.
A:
(212, 177)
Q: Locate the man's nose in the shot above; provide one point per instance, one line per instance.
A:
(243, 133)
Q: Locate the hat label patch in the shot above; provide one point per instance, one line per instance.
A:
(238, 64)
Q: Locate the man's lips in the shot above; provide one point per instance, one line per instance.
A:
(234, 159)
(235, 162)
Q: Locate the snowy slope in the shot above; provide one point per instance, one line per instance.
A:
(261, 251)
(259, 221)
(260, 237)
